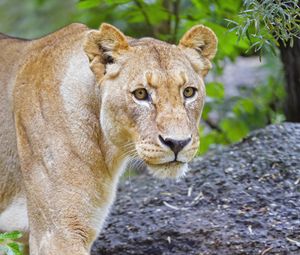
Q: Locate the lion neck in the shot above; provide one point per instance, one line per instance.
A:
(81, 99)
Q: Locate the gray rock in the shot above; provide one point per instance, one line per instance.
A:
(241, 200)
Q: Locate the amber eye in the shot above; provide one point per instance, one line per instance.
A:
(141, 94)
(189, 92)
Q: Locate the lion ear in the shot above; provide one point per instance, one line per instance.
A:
(202, 40)
(104, 46)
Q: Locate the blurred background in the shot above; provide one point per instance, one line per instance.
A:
(255, 80)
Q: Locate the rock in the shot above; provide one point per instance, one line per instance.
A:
(240, 200)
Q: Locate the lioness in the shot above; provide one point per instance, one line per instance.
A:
(76, 105)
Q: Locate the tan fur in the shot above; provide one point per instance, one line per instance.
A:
(69, 122)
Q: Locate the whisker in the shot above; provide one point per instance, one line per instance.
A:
(137, 164)
(128, 145)
(129, 153)
(191, 149)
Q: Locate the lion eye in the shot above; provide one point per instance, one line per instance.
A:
(141, 94)
(189, 92)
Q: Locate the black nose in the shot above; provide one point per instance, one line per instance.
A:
(175, 145)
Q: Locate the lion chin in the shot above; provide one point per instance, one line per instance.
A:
(170, 170)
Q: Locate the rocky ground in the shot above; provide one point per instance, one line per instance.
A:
(241, 200)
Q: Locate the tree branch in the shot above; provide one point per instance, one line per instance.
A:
(146, 17)
(176, 6)
(212, 125)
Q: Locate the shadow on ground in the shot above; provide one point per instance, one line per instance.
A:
(242, 200)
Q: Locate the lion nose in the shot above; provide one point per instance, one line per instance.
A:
(175, 145)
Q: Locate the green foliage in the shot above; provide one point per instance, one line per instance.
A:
(235, 117)
(35, 18)
(259, 24)
(267, 22)
(8, 245)
(167, 20)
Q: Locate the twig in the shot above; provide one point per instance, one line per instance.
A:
(250, 230)
(212, 125)
(215, 126)
(146, 17)
(176, 6)
(190, 189)
(166, 25)
(197, 199)
(173, 206)
(169, 239)
(264, 252)
(297, 243)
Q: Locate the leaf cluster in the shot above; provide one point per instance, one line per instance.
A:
(168, 20)
(261, 23)
(266, 23)
(229, 119)
(8, 245)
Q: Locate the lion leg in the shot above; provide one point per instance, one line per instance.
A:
(55, 244)
(59, 229)
(65, 214)
(62, 219)
(68, 188)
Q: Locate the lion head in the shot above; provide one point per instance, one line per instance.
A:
(152, 94)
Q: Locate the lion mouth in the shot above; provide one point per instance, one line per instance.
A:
(171, 163)
(172, 169)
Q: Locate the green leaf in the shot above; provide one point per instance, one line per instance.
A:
(245, 105)
(215, 90)
(231, 5)
(88, 4)
(234, 129)
(206, 110)
(209, 140)
(117, 2)
(11, 235)
(14, 248)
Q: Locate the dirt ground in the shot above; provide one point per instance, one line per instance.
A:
(241, 200)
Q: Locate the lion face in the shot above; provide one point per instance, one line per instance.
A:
(152, 96)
